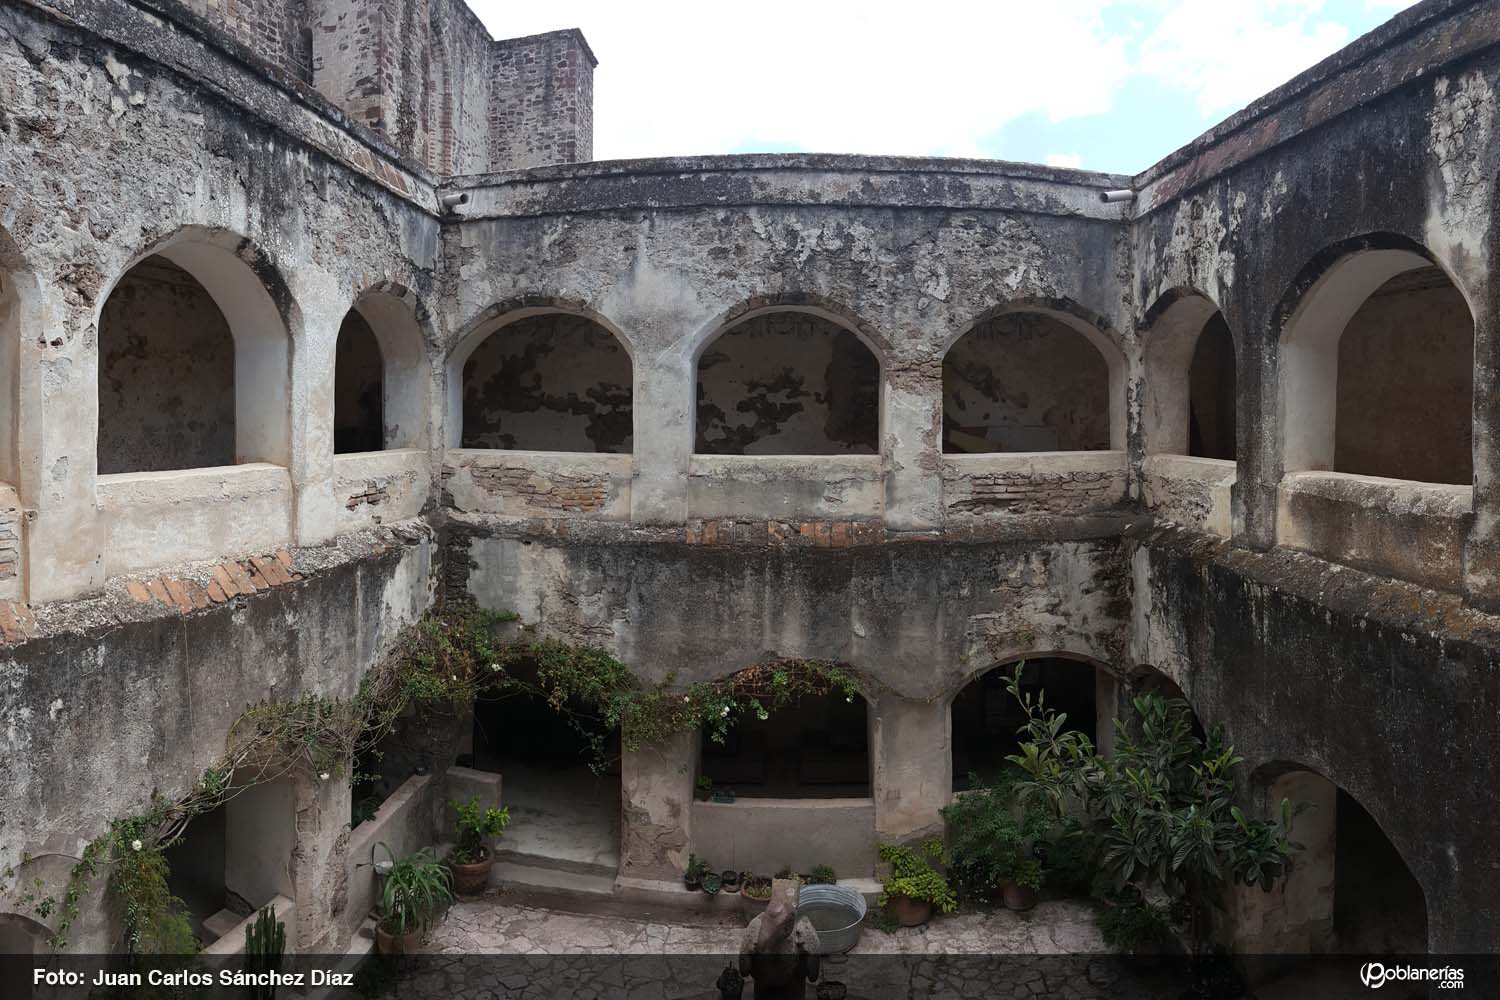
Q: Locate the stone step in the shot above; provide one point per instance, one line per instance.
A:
(542, 878)
(221, 923)
(528, 860)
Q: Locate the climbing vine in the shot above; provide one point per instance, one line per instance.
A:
(436, 669)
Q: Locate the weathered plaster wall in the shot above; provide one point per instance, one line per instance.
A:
(787, 383)
(1406, 384)
(553, 382)
(166, 374)
(1024, 382)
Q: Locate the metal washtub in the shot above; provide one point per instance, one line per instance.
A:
(836, 912)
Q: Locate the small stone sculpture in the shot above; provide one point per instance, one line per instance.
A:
(779, 951)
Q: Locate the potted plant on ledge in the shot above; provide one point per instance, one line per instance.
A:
(692, 876)
(416, 892)
(470, 859)
(914, 887)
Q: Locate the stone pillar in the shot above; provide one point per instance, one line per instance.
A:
(656, 806)
(911, 749)
(662, 401)
(911, 404)
(1481, 581)
(320, 863)
(58, 431)
(1296, 916)
(1107, 707)
(1253, 496)
(315, 517)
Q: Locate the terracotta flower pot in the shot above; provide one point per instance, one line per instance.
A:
(909, 912)
(397, 944)
(472, 879)
(1018, 897)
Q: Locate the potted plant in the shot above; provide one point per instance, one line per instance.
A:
(914, 887)
(730, 984)
(712, 884)
(729, 880)
(723, 795)
(470, 859)
(692, 877)
(1019, 888)
(417, 890)
(705, 788)
(823, 875)
(755, 890)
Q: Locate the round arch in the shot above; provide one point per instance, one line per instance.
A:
(1172, 332)
(402, 329)
(1351, 889)
(263, 318)
(1311, 320)
(496, 318)
(837, 316)
(1090, 325)
(22, 936)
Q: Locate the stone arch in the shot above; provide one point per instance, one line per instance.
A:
(1101, 425)
(1189, 350)
(22, 936)
(820, 746)
(247, 291)
(530, 310)
(744, 365)
(1351, 889)
(983, 716)
(1332, 295)
(389, 318)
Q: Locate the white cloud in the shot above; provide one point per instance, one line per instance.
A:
(1073, 160)
(829, 76)
(835, 76)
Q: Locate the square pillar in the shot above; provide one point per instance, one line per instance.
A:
(912, 445)
(656, 806)
(662, 403)
(320, 863)
(911, 749)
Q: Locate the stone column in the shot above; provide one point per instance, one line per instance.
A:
(911, 404)
(1258, 428)
(320, 863)
(314, 517)
(662, 401)
(911, 748)
(656, 804)
(58, 422)
(1481, 581)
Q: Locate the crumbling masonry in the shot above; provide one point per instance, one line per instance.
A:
(926, 417)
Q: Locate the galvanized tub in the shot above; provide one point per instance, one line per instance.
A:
(836, 912)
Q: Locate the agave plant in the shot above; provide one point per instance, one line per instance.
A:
(417, 891)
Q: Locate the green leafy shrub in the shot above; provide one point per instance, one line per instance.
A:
(913, 875)
(696, 868)
(1135, 926)
(417, 891)
(1070, 865)
(475, 826)
(991, 836)
(823, 875)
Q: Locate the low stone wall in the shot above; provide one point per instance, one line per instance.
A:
(537, 483)
(404, 824)
(233, 941)
(154, 519)
(1191, 491)
(1411, 531)
(796, 487)
(378, 487)
(1060, 482)
(765, 835)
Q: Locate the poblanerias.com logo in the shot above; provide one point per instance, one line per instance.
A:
(1377, 974)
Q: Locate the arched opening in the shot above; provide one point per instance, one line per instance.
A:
(546, 381)
(193, 361)
(236, 858)
(560, 779)
(817, 747)
(787, 382)
(22, 937)
(358, 389)
(166, 374)
(1349, 891)
(1377, 367)
(1190, 386)
(381, 376)
(984, 716)
(1030, 381)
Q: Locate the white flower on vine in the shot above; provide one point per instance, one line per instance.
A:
(495, 667)
(726, 710)
(686, 699)
(135, 845)
(323, 776)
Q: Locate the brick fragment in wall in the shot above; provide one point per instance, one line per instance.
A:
(819, 534)
(557, 491)
(1027, 493)
(374, 493)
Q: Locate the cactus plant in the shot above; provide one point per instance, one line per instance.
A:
(265, 943)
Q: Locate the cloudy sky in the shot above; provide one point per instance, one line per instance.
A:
(1103, 84)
